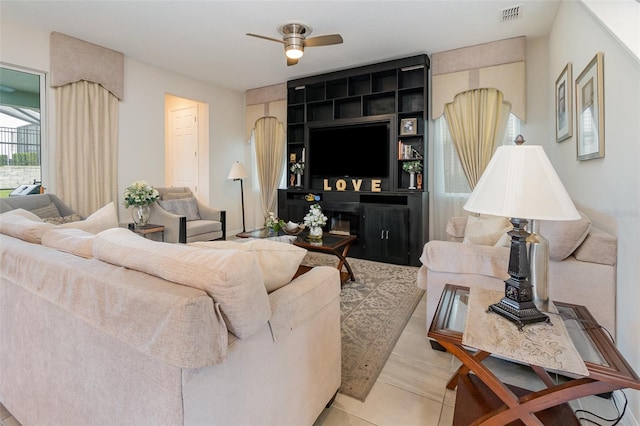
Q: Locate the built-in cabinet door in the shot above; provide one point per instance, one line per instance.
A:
(386, 233)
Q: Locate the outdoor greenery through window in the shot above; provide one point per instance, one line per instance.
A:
(20, 128)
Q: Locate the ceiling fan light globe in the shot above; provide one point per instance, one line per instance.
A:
(294, 52)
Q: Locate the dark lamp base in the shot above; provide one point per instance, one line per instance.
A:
(520, 315)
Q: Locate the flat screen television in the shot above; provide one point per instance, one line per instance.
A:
(355, 150)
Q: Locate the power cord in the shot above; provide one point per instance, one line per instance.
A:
(615, 420)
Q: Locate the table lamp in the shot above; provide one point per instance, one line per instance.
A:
(520, 183)
(238, 173)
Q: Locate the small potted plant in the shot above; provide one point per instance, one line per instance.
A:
(412, 167)
(315, 220)
(274, 224)
(297, 169)
(140, 195)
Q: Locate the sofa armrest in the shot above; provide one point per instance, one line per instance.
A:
(460, 258)
(211, 213)
(175, 226)
(302, 298)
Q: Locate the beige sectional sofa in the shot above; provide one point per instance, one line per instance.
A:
(111, 328)
(582, 265)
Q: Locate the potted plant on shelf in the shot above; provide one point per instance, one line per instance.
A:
(140, 195)
(412, 167)
(297, 169)
(315, 220)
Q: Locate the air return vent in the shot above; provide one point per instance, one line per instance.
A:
(511, 13)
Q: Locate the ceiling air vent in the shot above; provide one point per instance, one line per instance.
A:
(510, 13)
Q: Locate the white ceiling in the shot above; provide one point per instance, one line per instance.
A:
(206, 39)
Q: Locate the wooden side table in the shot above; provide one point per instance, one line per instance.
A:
(147, 229)
(486, 400)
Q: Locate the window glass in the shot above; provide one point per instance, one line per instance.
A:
(21, 99)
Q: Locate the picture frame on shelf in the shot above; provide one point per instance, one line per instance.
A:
(292, 157)
(589, 88)
(564, 105)
(408, 126)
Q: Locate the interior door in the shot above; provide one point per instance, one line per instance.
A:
(183, 125)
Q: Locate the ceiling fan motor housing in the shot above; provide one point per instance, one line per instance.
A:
(293, 37)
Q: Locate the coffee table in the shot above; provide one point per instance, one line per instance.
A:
(484, 399)
(337, 245)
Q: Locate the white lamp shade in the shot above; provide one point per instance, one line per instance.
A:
(520, 182)
(237, 171)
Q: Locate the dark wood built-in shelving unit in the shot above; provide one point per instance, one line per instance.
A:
(392, 212)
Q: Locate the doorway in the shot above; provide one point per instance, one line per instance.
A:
(186, 146)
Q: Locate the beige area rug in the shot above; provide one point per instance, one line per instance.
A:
(374, 311)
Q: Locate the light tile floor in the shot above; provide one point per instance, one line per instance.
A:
(411, 387)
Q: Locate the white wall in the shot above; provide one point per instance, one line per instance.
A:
(141, 154)
(611, 185)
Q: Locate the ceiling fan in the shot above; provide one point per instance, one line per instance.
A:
(294, 38)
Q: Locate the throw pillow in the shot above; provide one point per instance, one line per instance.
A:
(182, 206)
(74, 241)
(100, 220)
(177, 195)
(278, 261)
(63, 219)
(23, 224)
(485, 230)
(231, 278)
(50, 210)
(565, 236)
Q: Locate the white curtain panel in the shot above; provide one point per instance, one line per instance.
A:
(269, 137)
(87, 146)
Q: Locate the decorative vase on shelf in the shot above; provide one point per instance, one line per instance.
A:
(315, 233)
(140, 215)
(419, 179)
(292, 180)
(412, 180)
(298, 179)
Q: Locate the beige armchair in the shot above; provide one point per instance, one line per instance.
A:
(185, 218)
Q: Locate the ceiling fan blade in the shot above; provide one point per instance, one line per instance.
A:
(324, 40)
(291, 62)
(266, 38)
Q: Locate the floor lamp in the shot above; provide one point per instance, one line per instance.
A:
(239, 173)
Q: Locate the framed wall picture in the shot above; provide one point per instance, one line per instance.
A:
(408, 126)
(564, 107)
(590, 110)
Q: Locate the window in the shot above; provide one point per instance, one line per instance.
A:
(21, 101)
(452, 176)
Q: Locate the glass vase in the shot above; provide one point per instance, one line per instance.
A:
(315, 233)
(140, 215)
(539, 267)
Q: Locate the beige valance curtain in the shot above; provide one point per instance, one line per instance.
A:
(88, 81)
(87, 146)
(477, 120)
(269, 137)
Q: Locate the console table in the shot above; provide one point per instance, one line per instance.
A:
(485, 399)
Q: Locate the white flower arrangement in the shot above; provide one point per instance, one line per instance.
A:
(140, 193)
(315, 217)
(412, 166)
(297, 168)
(274, 223)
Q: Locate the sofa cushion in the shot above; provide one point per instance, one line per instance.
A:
(50, 210)
(278, 261)
(182, 206)
(102, 219)
(231, 277)
(59, 220)
(599, 247)
(177, 195)
(564, 236)
(485, 230)
(70, 240)
(23, 224)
